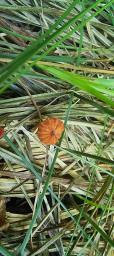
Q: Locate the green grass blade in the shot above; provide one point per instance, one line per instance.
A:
(78, 81)
(98, 229)
(95, 157)
(5, 252)
(95, 104)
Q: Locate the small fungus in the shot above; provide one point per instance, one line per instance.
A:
(50, 130)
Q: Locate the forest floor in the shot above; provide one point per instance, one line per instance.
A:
(57, 60)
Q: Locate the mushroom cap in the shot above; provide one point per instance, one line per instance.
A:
(50, 130)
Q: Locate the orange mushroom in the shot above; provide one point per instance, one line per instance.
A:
(50, 130)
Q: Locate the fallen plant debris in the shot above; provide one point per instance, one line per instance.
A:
(56, 178)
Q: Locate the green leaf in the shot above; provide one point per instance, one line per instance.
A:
(98, 228)
(5, 252)
(78, 81)
(86, 155)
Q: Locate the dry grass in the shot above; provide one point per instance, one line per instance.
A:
(79, 196)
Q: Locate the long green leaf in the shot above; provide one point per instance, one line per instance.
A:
(98, 229)
(5, 252)
(97, 158)
(78, 81)
(95, 104)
